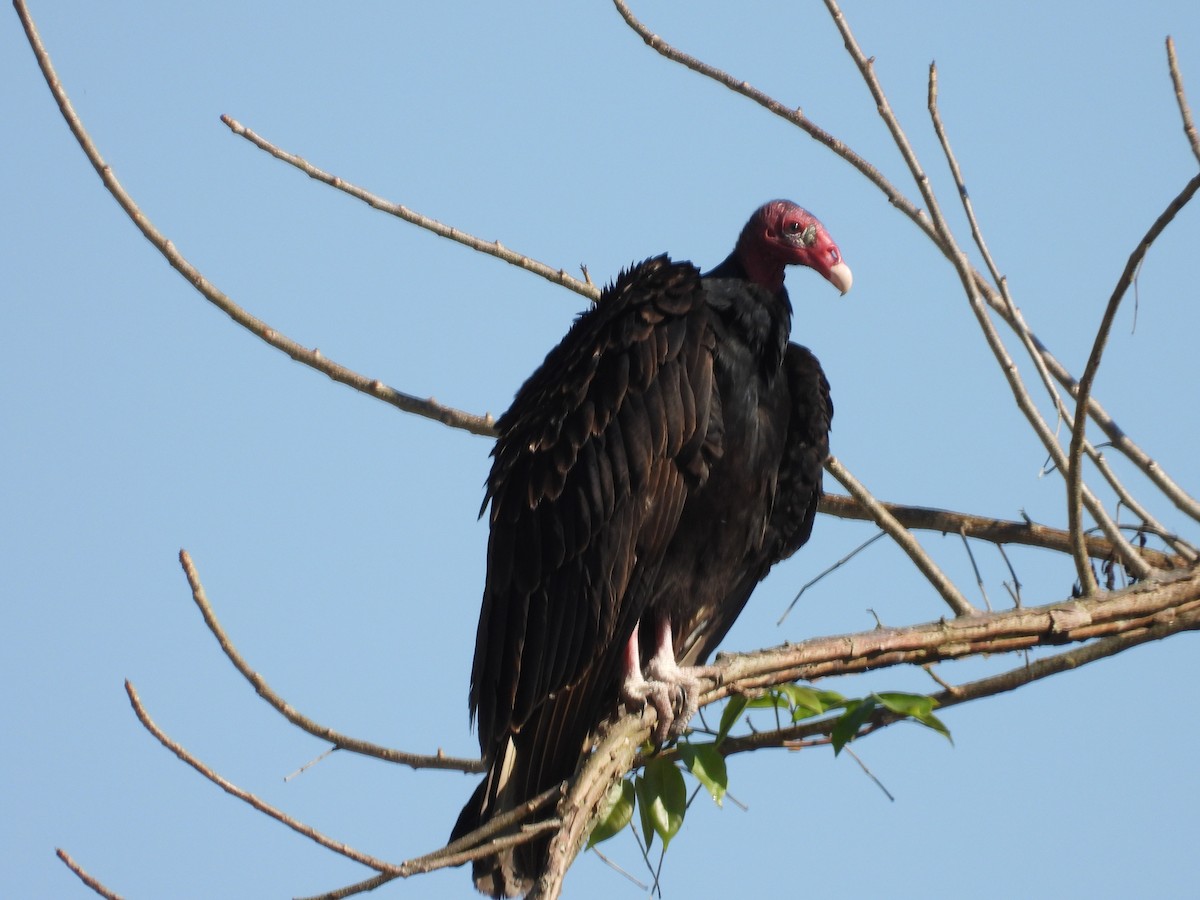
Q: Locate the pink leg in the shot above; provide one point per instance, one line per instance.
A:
(674, 692)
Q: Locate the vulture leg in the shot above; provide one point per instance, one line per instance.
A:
(637, 690)
(672, 690)
(684, 682)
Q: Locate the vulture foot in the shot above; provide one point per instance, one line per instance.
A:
(638, 692)
(673, 691)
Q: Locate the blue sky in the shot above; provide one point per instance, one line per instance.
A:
(337, 538)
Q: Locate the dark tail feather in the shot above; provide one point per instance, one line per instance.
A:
(495, 876)
(542, 754)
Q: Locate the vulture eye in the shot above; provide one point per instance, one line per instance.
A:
(793, 227)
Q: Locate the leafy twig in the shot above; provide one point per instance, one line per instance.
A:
(809, 732)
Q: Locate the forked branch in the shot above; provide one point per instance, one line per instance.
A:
(1075, 488)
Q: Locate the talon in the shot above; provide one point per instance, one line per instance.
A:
(672, 690)
(637, 692)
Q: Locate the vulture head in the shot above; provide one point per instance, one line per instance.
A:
(782, 234)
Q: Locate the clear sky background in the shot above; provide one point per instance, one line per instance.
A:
(338, 538)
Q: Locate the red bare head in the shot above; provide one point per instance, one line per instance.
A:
(781, 234)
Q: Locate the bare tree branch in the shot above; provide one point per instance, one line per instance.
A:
(1015, 629)
(617, 747)
(996, 531)
(85, 877)
(1075, 488)
(446, 861)
(312, 358)
(970, 285)
(230, 788)
(466, 848)
(479, 843)
(884, 519)
(490, 248)
(1189, 127)
(340, 741)
(1023, 334)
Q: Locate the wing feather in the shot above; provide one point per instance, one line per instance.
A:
(589, 475)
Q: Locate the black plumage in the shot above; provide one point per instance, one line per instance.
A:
(664, 456)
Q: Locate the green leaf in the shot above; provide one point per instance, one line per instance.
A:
(917, 707)
(932, 721)
(857, 712)
(729, 716)
(662, 798)
(771, 698)
(707, 764)
(639, 788)
(616, 816)
(808, 702)
(914, 705)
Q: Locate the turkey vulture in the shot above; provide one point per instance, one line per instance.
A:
(665, 455)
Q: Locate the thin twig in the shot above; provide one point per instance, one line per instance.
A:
(862, 765)
(339, 740)
(885, 520)
(1015, 590)
(87, 878)
(837, 565)
(324, 754)
(975, 566)
(490, 248)
(1075, 489)
(1189, 127)
(612, 864)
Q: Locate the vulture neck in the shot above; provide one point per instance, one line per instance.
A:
(761, 315)
(764, 272)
